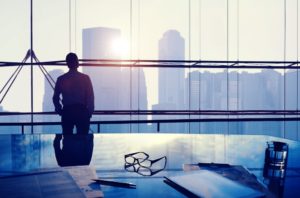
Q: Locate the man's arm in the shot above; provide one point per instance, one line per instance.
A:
(55, 99)
(90, 97)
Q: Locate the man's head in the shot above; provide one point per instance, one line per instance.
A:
(72, 61)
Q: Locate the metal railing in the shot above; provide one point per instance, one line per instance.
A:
(158, 122)
(208, 64)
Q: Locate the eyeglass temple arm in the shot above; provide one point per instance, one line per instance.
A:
(131, 154)
(153, 161)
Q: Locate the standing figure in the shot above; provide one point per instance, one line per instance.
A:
(77, 105)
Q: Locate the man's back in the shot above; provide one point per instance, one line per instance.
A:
(74, 87)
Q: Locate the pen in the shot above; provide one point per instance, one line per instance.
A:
(214, 165)
(114, 183)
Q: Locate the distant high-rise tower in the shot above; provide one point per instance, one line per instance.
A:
(171, 81)
(47, 100)
(98, 44)
(112, 86)
(48, 104)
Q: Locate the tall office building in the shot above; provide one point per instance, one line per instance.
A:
(97, 44)
(171, 81)
(292, 102)
(208, 91)
(261, 91)
(246, 91)
(48, 104)
(113, 88)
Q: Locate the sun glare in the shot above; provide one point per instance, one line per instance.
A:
(120, 47)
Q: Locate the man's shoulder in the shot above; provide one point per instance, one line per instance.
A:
(61, 77)
(83, 75)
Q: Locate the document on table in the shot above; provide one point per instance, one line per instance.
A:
(237, 173)
(204, 183)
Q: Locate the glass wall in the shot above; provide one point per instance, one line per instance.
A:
(248, 30)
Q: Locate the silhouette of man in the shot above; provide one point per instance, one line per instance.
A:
(77, 98)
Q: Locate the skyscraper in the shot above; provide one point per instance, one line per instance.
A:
(48, 104)
(171, 81)
(97, 44)
(112, 86)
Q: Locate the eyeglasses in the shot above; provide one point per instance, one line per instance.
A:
(136, 158)
(140, 163)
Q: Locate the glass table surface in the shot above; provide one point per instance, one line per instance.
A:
(23, 153)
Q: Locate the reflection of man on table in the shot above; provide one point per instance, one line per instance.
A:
(76, 150)
(77, 98)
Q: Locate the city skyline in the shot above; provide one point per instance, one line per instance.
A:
(255, 31)
(268, 89)
(209, 31)
(152, 101)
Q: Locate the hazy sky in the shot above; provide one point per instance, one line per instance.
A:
(256, 32)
